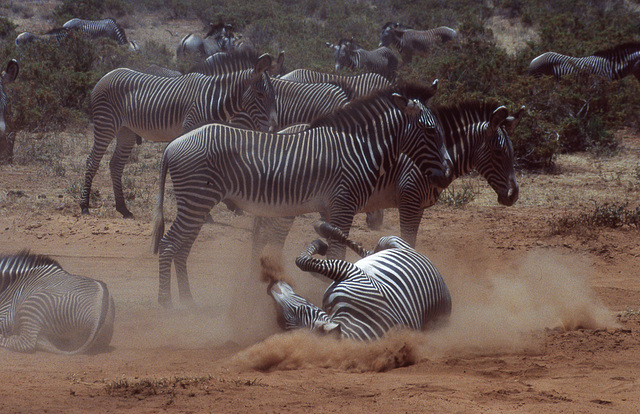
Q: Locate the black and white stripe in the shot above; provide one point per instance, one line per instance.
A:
(477, 138)
(611, 64)
(42, 307)
(395, 287)
(219, 38)
(7, 76)
(359, 85)
(108, 28)
(411, 42)
(126, 104)
(381, 60)
(332, 167)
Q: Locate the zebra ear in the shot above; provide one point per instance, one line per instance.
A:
(497, 118)
(331, 46)
(277, 66)
(263, 63)
(512, 122)
(406, 105)
(11, 73)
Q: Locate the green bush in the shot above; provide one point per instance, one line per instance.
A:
(90, 10)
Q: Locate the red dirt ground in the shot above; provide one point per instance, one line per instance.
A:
(541, 321)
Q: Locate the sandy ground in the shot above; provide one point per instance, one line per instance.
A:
(541, 322)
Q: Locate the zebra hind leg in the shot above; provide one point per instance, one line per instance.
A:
(125, 141)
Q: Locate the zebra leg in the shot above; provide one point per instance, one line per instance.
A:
(331, 232)
(102, 139)
(174, 247)
(336, 270)
(295, 312)
(26, 334)
(125, 143)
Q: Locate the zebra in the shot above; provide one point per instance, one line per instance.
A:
(216, 64)
(108, 28)
(476, 135)
(126, 104)
(25, 38)
(393, 287)
(359, 85)
(409, 42)
(7, 77)
(219, 38)
(381, 60)
(42, 307)
(296, 102)
(611, 64)
(330, 167)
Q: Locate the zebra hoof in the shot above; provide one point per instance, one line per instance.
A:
(126, 213)
(85, 211)
(324, 229)
(320, 247)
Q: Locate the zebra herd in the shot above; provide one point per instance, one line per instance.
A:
(241, 132)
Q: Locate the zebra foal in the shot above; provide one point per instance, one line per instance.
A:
(42, 307)
(392, 287)
(331, 167)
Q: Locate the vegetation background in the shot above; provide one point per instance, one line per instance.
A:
(574, 114)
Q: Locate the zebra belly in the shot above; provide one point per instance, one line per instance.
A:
(158, 134)
(265, 209)
(385, 197)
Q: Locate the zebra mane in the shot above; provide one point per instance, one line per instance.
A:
(469, 112)
(26, 259)
(225, 62)
(57, 30)
(360, 108)
(615, 52)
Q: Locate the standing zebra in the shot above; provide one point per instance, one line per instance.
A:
(611, 64)
(392, 287)
(359, 85)
(7, 76)
(381, 60)
(126, 104)
(219, 38)
(332, 167)
(476, 136)
(410, 42)
(42, 307)
(98, 28)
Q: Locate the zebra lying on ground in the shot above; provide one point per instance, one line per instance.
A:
(332, 167)
(7, 76)
(392, 287)
(42, 307)
(381, 60)
(411, 42)
(26, 38)
(611, 64)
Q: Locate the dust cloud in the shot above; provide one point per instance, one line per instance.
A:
(498, 306)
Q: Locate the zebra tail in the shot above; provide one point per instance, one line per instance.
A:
(158, 219)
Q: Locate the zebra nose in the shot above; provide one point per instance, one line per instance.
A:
(511, 196)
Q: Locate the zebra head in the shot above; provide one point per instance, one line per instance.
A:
(8, 76)
(431, 155)
(259, 99)
(390, 35)
(495, 155)
(344, 53)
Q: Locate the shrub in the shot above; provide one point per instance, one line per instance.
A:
(90, 9)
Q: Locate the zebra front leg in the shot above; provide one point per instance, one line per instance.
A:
(25, 338)
(336, 270)
(331, 232)
(126, 141)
